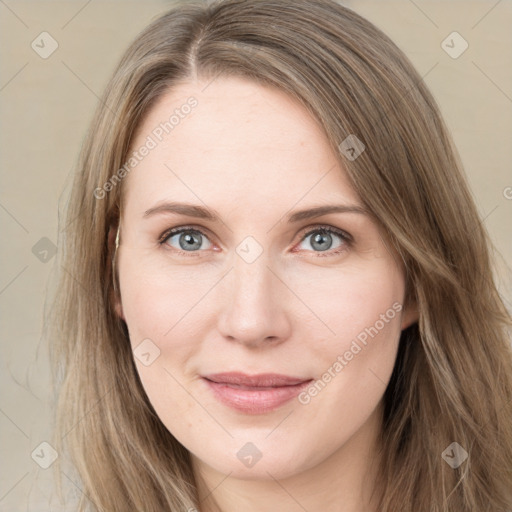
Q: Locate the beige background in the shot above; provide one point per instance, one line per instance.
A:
(46, 105)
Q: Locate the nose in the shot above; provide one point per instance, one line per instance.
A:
(255, 305)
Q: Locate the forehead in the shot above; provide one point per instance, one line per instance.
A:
(241, 142)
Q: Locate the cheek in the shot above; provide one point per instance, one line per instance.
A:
(158, 309)
(355, 358)
(156, 302)
(357, 301)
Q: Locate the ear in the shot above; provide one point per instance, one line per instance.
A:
(118, 307)
(115, 296)
(410, 315)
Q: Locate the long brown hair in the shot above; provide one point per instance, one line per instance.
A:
(452, 380)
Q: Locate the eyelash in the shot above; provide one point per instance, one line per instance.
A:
(346, 238)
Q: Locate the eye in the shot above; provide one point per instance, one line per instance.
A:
(188, 239)
(322, 241)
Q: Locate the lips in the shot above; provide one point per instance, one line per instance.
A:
(254, 394)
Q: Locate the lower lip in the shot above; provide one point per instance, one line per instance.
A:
(254, 400)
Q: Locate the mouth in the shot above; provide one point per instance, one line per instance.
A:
(254, 394)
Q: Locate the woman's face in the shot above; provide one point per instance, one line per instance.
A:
(253, 285)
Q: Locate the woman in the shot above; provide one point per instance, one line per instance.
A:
(278, 292)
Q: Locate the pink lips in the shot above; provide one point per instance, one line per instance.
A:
(254, 394)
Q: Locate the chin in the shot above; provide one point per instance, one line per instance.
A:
(249, 463)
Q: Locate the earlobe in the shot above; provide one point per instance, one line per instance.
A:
(410, 316)
(119, 309)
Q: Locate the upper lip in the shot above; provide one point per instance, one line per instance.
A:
(260, 380)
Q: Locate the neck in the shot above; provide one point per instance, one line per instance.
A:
(343, 482)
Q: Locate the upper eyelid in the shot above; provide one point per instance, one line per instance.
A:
(318, 227)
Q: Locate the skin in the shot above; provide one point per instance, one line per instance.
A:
(254, 155)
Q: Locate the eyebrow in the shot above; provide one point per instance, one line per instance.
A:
(201, 212)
